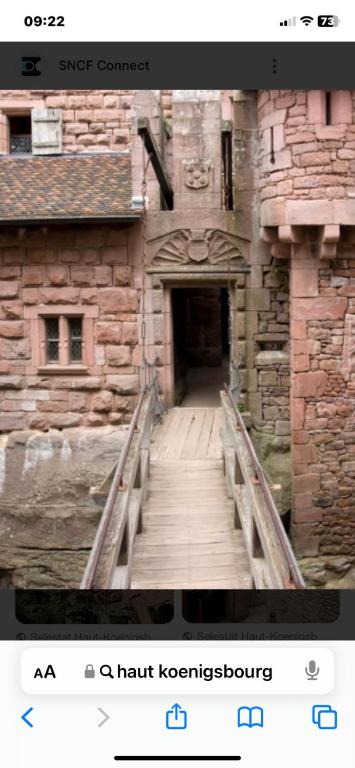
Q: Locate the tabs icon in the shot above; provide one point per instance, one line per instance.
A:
(324, 717)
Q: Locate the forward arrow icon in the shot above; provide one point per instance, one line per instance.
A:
(106, 717)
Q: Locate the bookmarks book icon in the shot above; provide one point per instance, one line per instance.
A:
(250, 717)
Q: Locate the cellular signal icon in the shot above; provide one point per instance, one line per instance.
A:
(288, 22)
(307, 20)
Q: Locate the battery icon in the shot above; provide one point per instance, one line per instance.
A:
(328, 21)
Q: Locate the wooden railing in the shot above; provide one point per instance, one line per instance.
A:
(123, 491)
(272, 561)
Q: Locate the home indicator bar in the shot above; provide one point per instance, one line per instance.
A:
(178, 758)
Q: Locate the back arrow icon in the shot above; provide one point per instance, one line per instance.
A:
(24, 717)
(106, 717)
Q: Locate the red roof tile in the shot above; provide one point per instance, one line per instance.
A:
(65, 187)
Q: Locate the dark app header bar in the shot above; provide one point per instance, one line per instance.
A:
(177, 65)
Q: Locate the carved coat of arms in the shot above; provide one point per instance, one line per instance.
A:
(196, 173)
(196, 245)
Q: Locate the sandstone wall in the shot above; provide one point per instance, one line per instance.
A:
(307, 186)
(88, 268)
(93, 120)
(301, 157)
(271, 425)
(48, 520)
(323, 329)
(263, 311)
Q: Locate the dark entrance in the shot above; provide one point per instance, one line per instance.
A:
(201, 344)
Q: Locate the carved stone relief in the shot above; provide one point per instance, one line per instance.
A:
(182, 246)
(196, 173)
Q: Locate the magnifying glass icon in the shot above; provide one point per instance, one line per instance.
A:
(106, 671)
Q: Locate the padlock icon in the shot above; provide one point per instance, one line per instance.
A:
(89, 671)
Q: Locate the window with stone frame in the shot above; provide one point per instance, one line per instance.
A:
(52, 339)
(63, 339)
(327, 109)
(20, 134)
(30, 130)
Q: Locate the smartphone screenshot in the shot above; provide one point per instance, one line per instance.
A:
(177, 385)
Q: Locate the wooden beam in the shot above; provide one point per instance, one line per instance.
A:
(150, 145)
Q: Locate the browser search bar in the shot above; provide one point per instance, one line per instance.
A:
(151, 670)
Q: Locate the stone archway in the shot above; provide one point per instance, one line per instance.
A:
(200, 315)
(187, 258)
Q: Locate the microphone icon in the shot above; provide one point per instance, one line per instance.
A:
(312, 671)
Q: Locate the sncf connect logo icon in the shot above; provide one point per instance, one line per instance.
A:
(30, 66)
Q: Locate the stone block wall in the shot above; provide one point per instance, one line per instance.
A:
(268, 346)
(269, 388)
(323, 329)
(83, 268)
(196, 147)
(307, 186)
(92, 120)
(301, 156)
(262, 323)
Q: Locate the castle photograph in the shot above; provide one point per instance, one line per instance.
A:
(177, 339)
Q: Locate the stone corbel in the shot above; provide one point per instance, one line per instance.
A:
(278, 250)
(281, 239)
(268, 234)
(329, 240)
(290, 235)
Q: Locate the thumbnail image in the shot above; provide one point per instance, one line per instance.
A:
(99, 607)
(177, 339)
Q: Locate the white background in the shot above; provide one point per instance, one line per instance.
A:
(196, 20)
(66, 732)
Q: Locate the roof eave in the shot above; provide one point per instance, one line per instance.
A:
(120, 219)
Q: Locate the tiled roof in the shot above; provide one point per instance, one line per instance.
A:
(65, 187)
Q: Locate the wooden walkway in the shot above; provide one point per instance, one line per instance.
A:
(188, 539)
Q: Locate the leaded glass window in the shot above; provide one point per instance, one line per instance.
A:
(20, 134)
(75, 338)
(62, 339)
(52, 339)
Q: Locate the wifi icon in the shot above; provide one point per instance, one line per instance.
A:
(307, 20)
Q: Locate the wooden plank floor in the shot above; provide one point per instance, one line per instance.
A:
(188, 539)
